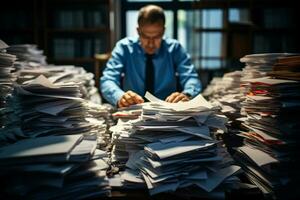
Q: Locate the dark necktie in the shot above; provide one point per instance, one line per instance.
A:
(149, 74)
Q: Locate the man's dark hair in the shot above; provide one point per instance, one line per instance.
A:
(151, 14)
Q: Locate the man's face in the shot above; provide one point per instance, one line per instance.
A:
(151, 36)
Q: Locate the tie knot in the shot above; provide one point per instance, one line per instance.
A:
(149, 56)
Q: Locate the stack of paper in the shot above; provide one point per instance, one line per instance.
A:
(258, 65)
(132, 112)
(100, 117)
(270, 156)
(73, 107)
(31, 63)
(7, 77)
(225, 92)
(287, 68)
(62, 74)
(53, 167)
(172, 146)
(41, 108)
(28, 53)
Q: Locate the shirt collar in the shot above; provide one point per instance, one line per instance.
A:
(144, 53)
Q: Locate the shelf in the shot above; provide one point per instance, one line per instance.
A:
(276, 30)
(79, 30)
(67, 2)
(18, 31)
(71, 60)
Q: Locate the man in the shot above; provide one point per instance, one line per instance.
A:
(150, 63)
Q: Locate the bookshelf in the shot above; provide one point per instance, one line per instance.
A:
(69, 31)
(76, 30)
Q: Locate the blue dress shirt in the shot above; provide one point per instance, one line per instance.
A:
(125, 70)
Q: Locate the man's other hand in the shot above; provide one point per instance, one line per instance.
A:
(130, 98)
(176, 97)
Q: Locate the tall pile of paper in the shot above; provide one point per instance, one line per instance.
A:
(171, 146)
(31, 63)
(225, 92)
(62, 74)
(7, 77)
(53, 167)
(258, 65)
(100, 115)
(270, 155)
(287, 68)
(28, 53)
(73, 89)
(44, 121)
(41, 108)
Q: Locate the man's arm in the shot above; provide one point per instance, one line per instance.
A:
(110, 82)
(188, 77)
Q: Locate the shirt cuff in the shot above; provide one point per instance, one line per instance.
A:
(190, 93)
(117, 97)
(187, 94)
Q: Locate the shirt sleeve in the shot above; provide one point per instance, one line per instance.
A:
(188, 77)
(110, 82)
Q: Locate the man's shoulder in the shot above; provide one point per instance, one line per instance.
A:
(171, 41)
(171, 44)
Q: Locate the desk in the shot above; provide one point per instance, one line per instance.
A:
(182, 194)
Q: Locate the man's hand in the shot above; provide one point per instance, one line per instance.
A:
(130, 98)
(176, 97)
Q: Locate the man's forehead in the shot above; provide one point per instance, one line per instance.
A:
(152, 29)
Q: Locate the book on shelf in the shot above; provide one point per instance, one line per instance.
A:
(70, 19)
(68, 48)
